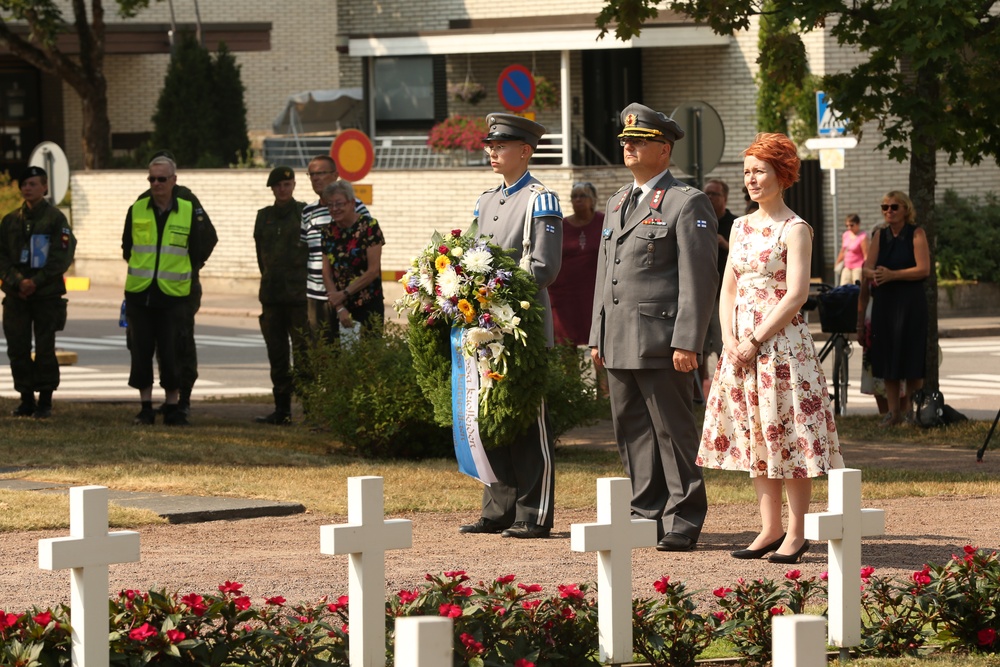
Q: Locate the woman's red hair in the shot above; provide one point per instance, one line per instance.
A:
(778, 151)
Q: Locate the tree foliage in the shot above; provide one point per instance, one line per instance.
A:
(785, 88)
(928, 80)
(84, 73)
(200, 115)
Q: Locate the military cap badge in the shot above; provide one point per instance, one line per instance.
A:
(630, 120)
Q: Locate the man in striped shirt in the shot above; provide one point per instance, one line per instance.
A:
(322, 171)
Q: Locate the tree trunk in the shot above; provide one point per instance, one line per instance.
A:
(96, 124)
(923, 181)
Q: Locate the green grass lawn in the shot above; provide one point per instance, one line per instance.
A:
(226, 455)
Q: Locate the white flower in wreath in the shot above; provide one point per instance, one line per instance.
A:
(503, 314)
(477, 260)
(457, 251)
(426, 283)
(447, 282)
(479, 336)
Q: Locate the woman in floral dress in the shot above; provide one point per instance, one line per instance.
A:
(769, 412)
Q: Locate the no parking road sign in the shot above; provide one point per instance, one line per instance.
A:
(516, 88)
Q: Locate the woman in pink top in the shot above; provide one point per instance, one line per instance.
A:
(853, 251)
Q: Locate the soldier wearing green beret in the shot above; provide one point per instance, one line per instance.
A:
(36, 250)
(281, 258)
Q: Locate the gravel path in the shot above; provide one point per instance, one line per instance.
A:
(275, 556)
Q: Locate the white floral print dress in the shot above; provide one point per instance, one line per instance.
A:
(772, 419)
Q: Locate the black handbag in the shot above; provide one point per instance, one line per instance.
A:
(927, 408)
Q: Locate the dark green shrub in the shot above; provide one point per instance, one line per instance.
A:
(968, 238)
(571, 394)
(367, 396)
(201, 115)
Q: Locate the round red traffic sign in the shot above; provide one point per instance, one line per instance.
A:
(352, 151)
(516, 88)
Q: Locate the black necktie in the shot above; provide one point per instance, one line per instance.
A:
(630, 206)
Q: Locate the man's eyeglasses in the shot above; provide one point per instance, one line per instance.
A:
(890, 207)
(316, 174)
(158, 179)
(638, 143)
(336, 205)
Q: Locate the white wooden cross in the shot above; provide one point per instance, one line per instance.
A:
(87, 552)
(798, 641)
(843, 525)
(423, 641)
(366, 537)
(613, 537)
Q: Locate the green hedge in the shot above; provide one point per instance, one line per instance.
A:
(368, 398)
(968, 238)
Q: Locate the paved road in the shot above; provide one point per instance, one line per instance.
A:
(969, 377)
(233, 361)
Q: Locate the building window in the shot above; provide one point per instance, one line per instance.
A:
(404, 89)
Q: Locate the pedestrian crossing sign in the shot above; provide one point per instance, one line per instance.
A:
(830, 123)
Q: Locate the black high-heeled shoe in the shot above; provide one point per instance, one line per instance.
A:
(750, 554)
(790, 559)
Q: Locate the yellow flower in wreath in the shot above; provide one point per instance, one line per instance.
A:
(468, 310)
(441, 263)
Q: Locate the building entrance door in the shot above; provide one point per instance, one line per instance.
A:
(612, 79)
(20, 115)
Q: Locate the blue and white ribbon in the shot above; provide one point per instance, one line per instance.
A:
(469, 449)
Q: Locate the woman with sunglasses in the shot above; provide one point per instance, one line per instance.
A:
(853, 251)
(897, 264)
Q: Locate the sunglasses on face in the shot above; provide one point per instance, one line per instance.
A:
(638, 143)
(890, 207)
(158, 179)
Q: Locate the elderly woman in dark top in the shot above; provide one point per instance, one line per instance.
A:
(352, 259)
(898, 262)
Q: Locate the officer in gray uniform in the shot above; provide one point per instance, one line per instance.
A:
(656, 283)
(281, 258)
(36, 250)
(521, 503)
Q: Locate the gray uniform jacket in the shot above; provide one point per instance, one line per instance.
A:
(501, 213)
(656, 277)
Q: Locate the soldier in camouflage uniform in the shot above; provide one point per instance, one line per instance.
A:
(36, 249)
(281, 258)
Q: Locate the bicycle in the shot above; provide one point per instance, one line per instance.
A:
(838, 313)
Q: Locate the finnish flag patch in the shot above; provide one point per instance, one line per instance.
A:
(703, 224)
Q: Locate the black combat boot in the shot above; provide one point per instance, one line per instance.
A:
(44, 408)
(282, 415)
(184, 402)
(173, 415)
(27, 407)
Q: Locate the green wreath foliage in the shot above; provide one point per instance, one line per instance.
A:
(513, 401)
(496, 300)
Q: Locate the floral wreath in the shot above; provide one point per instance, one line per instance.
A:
(463, 280)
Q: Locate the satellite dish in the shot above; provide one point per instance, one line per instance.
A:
(700, 151)
(51, 158)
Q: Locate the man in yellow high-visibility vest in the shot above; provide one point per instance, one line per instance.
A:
(162, 250)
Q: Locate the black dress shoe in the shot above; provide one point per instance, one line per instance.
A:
(676, 542)
(484, 525)
(750, 554)
(526, 531)
(43, 412)
(789, 559)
